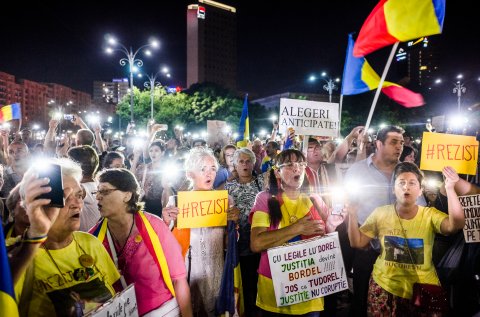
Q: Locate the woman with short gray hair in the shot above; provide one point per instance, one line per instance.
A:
(243, 189)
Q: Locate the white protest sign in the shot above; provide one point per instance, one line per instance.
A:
(471, 208)
(309, 117)
(307, 269)
(122, 304)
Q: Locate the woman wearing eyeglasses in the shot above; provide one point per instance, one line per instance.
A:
(281, 215)
(142, 247)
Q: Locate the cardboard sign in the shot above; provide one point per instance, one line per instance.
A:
(471, 208)
(309, 117)
(217, 134)
(199, 209)
(307, 269)
(122, 304)
(458, 151)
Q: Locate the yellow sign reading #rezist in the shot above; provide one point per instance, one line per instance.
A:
(198, 209)
(458, 151)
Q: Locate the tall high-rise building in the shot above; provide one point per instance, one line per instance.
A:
(417, 63)
(212, 44)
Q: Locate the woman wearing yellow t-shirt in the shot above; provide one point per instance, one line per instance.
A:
(406, 233)
(281, 215)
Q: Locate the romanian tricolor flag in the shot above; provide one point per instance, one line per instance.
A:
(359, 77)
(230, 297)
(244, 126)
(8, 306)
(399, 21)
(10, 112)
(149, 237)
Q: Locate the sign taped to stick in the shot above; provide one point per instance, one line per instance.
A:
(307, 269)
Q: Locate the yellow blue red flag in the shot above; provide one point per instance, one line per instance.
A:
(244, 126)
(394, 21)
(8, 305)
(359, 77)
(230, 297)
(10, 112)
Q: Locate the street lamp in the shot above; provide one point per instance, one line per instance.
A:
(130, 59)
(152, 83)
(458, 88)
(329, 83)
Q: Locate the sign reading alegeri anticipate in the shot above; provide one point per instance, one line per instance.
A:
(307, 269)
(471, 208)
(309, 117)
(198, 209)
(441, 149)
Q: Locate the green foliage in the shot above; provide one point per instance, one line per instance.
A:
(191, 108)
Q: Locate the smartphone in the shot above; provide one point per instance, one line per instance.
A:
(337, 205)
(54, 173)
(69, 117)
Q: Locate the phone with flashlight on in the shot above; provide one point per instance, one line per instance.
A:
(54, 173)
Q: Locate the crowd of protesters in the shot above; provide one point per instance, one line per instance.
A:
(119, 203)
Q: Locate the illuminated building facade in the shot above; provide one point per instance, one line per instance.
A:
(212, 44)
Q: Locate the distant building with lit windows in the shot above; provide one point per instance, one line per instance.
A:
(39, 100)
(212, 44)
(417, 62)
(107, 94)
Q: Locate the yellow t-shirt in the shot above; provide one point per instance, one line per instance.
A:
(265, 292)
(394, 270)
(54, 295)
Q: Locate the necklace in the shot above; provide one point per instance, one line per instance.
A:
(126, 240)
(86, 260)
(293, 218)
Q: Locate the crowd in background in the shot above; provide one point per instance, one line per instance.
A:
(120, 191)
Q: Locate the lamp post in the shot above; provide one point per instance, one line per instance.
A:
(458, 88)
(130, 59)
(329, 86)
(152, 83)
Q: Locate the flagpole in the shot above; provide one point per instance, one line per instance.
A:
(340, 116)
(380, 85)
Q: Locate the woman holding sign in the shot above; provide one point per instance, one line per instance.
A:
(406, 232)
(205, 258)
(280, 215)
(142, 247)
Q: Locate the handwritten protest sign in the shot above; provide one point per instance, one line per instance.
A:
(308, 117)
(198, 209)
(471, 208)
(458, 151)
(123, 304)
(307, 269)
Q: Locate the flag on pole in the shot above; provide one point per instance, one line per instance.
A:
(359, 77)
(230, 297)
(8, 306)
(399, 21)
(10, 112)
(243, 128)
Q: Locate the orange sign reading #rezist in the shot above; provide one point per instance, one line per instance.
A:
(198, 209)
(458, 151)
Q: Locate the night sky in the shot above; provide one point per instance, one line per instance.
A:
(279, 45)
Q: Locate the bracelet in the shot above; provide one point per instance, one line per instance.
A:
(35, 240)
